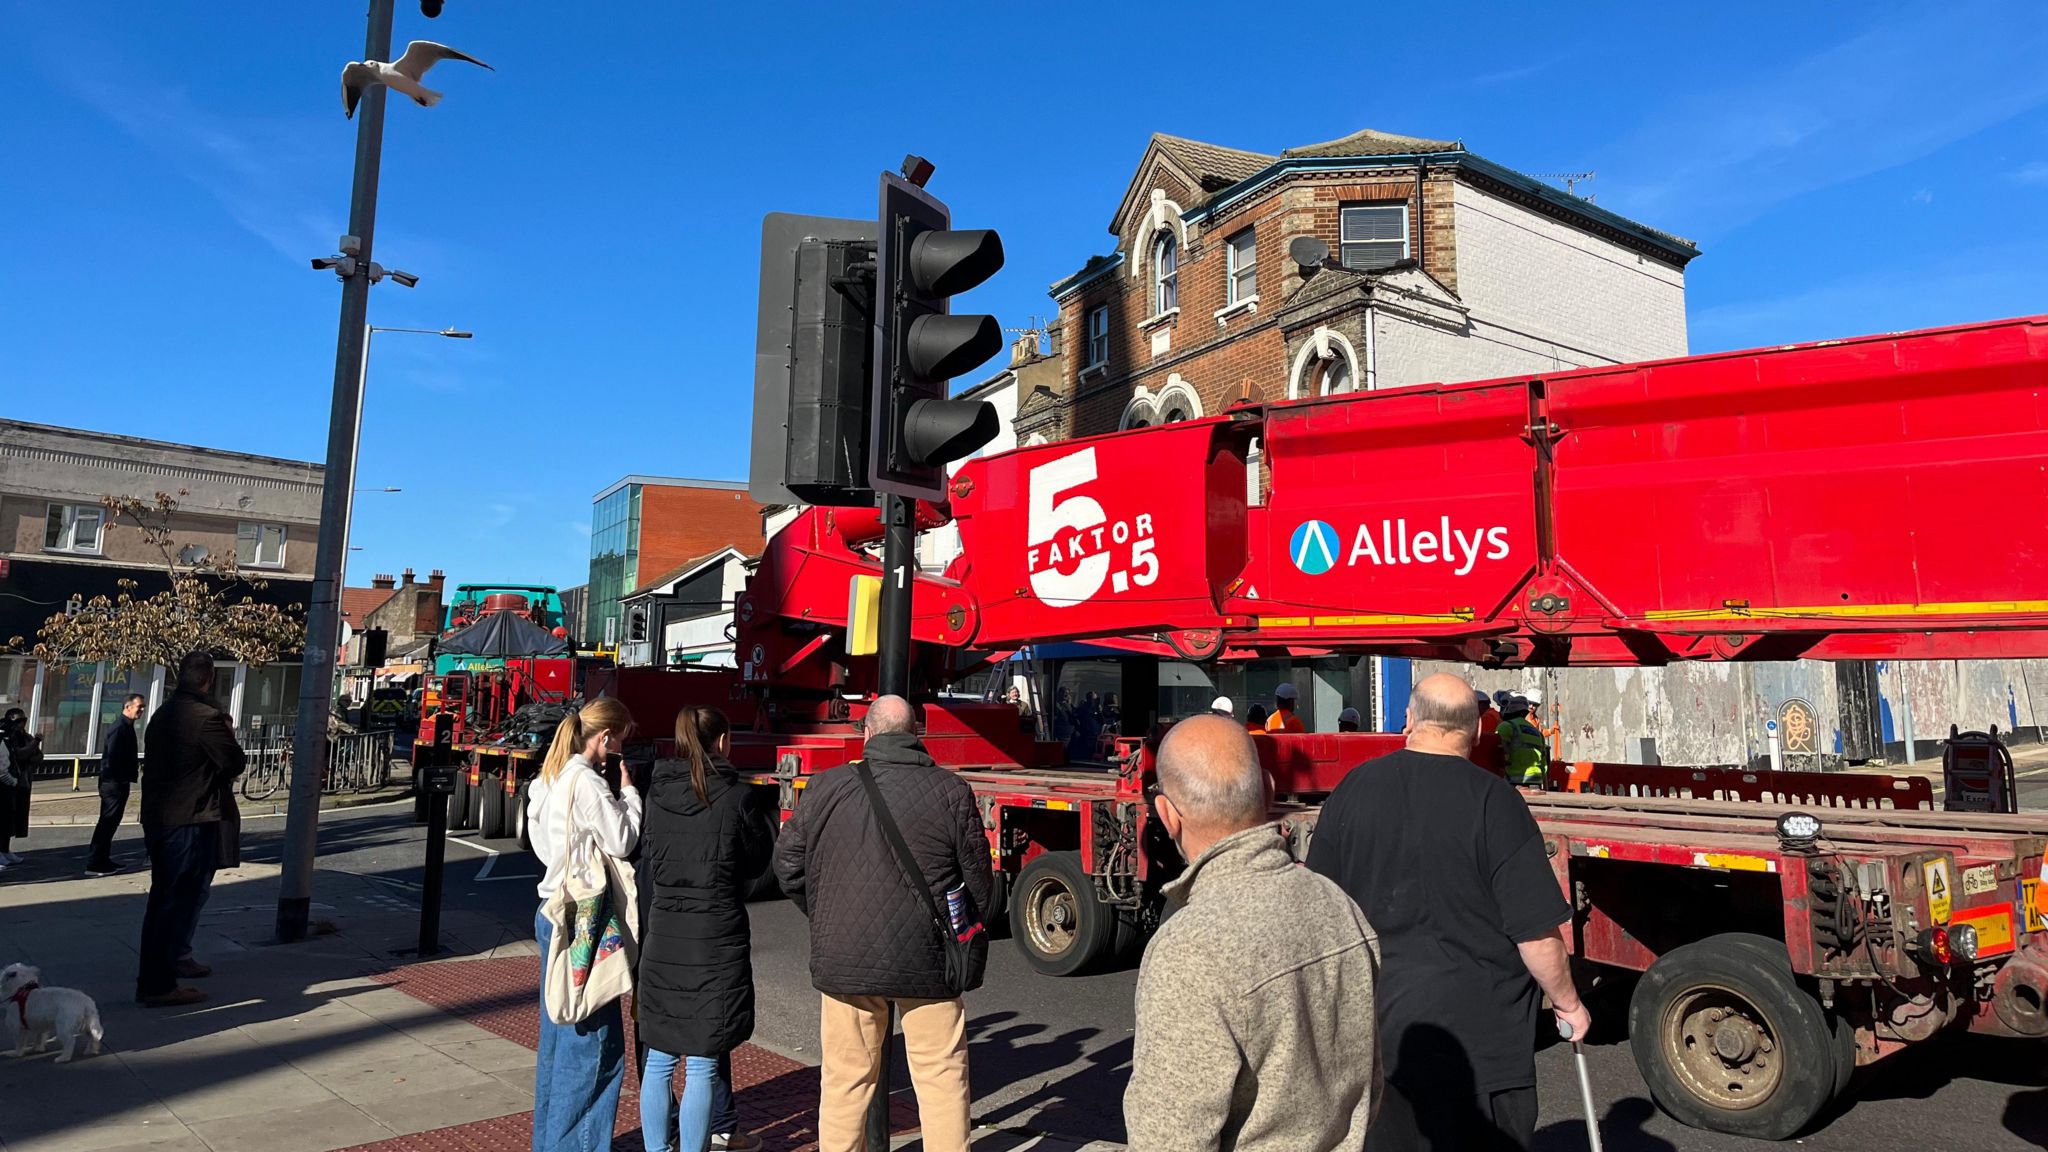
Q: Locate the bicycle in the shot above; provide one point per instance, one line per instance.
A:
(269, 769)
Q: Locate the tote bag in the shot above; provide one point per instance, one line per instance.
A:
(594, 921)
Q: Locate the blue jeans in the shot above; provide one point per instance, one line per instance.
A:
(181, 865)
(706, 1105)
(192, 922)
(577, 1074)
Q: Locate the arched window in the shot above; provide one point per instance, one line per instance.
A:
(1165, 274)
(1325, 366)
(1334, 376)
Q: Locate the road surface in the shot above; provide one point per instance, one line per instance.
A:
(1052, 1055)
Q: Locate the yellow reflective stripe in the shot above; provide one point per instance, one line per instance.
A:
(1358, 621)
(1851, 611)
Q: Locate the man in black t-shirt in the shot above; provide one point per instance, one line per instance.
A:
(1450, 870)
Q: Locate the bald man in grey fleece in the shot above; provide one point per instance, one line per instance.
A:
(1256, 1025)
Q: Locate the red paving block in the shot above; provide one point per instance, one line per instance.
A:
(777, 1096)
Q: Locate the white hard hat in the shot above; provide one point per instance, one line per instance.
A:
(1348, 716)
(1286, 692)
(1222, 706)
(1532, 695)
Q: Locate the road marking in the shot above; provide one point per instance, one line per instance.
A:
(483, 874)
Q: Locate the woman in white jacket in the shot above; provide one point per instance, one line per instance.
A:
(580, 1068)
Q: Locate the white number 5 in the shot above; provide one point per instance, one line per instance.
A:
(1142, 558)
(1049, 516)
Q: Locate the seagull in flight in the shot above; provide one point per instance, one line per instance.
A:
(403, 74)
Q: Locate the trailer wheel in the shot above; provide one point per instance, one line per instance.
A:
(1842, 1028)
(765, 886)
(997, 916)
(462, 802)
(493, 821)
(1729, 1042)
(520, 831)
(1056, 918)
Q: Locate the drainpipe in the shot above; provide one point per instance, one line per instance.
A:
(1371, 365)
(1421, 229)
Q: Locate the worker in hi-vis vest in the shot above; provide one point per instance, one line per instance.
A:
(1521, 738)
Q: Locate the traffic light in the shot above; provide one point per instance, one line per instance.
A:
(636, 625)
(916, 428)
(812, 361)
(376, 642)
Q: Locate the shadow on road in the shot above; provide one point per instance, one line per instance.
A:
(1622, 1129)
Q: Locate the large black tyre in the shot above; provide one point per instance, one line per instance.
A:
(1728, 1041)
(997, 916)
(1056, 918)
(494, 814)
(462, 802)
(520, 831)
(765, 886)
(1844, 1031)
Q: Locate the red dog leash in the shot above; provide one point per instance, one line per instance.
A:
(20, 999)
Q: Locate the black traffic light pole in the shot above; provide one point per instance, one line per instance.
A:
(899, 578)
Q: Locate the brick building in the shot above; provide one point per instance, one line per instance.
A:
(1371, 261)
(408, 610)
(643, 526)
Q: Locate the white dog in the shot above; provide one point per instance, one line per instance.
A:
(40, 1015)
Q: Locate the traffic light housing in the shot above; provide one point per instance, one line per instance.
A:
(916, 428)
(812, 361)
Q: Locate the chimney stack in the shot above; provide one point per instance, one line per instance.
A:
(436, 578)
(381, 580)
(407, 577)
(1053, 333)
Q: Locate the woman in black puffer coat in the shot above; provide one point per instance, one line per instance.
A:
(701, 842)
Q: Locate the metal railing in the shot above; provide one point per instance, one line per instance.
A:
(356, 762)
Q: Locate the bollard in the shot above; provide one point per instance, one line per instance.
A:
(76, 764)
(437, 783)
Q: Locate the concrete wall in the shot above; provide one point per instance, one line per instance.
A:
(22, 520)
(1706, 714)
(1541, 289)
(215, 490)
(51, 463)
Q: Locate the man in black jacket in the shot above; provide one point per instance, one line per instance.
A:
(193, 759)
(873, 941)
(119, 758)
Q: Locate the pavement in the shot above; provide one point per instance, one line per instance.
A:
(342, 1041)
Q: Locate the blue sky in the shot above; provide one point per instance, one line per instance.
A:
(592, 208)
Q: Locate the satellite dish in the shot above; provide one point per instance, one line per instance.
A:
(1308, 251)
(192, 554)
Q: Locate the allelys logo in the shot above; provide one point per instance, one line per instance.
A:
(1314, 545)
(1072, 531)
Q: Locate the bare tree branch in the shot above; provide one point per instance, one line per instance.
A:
(207, 606)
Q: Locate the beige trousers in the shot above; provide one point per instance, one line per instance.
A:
(935, 1041)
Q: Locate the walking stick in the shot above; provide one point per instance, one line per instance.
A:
(1585, 1086)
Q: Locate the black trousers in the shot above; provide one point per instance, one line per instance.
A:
(1415, 1119)
(113, 804)
(182, 861)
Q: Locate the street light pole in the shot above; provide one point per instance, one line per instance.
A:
(323, 613)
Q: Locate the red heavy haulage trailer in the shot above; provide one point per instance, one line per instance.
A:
(1852, 499)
